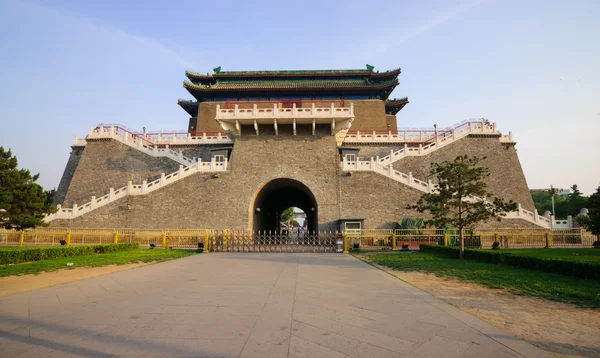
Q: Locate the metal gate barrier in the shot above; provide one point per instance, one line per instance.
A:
(272, 241)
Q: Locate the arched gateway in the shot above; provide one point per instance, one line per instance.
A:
(276, 196)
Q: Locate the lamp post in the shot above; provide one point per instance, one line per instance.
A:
(552, 192)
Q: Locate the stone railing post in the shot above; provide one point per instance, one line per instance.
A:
(390, 171)
(331, 110)
(371, 164)
(535, 215)
(420, 148)
(218, 110)
(352, 109)
(494, 127)
(92, 202)
(410, 178)
(570, 221)
(91, 131)
(129, 188)
(275, 110)
(74, 210)
(180, 173)
(111, 194)
(162, 179)
(312, 109)
(429, 185)
(519, 209)
(144, 186)
(235, 110)
(254, 111)
(189, 137)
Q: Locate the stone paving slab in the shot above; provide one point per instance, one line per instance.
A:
(246, 305)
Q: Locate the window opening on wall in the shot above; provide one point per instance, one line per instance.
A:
(352, 225)
(219, 158)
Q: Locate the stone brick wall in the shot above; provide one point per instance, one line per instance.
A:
(65, 181)
(108, 163)
(391, 123)
(206, 122)
(380, 200)
(383, 202)
(226, 202)
(506, 178)
(368, 114)
(201, 201)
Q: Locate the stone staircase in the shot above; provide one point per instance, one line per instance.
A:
(153, 144)
(428, 186)
(143, 189)
(428, 140)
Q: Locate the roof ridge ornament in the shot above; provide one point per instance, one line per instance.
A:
(370, 68)
(217, 70)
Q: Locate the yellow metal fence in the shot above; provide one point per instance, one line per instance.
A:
(372, 239)
(179, 238)
(479, 238)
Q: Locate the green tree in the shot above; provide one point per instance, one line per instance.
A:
(591, 222)
(543, 203)
(461, 199)
(23, 202)
(575, 201)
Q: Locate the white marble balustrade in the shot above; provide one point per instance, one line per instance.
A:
(142, 189)
(276, 112)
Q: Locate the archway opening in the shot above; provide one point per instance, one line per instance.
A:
(277, 196)
(293, 221)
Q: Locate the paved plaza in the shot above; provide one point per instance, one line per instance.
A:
(246, 305)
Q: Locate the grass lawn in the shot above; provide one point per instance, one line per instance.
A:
(111, 258)
(581, 255)
(584, 293)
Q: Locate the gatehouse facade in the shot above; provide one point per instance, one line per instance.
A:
(259, 142)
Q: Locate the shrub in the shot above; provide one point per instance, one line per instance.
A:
(44, 253)
(565, 267)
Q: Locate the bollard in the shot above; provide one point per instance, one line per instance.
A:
(164, 240)
(21, 238)
(394, 242)
(548, 240)
(345, 243)
(115, 238)
(68, 239)
(206, 243)
(445, 238)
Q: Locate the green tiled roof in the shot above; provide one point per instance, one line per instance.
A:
(278, 85)
(189, 106)
(396, 102)
(393, 106)
(291, 73)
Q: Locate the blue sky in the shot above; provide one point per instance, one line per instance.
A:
(531, 66)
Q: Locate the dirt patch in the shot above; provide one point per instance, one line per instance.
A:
(562, 329)
(13, 285)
